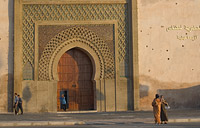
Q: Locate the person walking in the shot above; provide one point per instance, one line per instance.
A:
(16, 104)
(156, 109)
(163, 113)
(63, 102)
(20, 104)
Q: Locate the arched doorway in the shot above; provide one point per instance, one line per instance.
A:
(75, 72)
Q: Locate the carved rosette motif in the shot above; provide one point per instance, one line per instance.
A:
(82, 35)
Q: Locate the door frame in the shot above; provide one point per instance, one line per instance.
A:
(96, 60)
(69, 89)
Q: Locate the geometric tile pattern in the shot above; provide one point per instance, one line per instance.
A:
(74, 12)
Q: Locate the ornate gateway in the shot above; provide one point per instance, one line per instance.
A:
(47, 29)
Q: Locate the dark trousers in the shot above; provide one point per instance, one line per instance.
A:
(20, 107)
(16, 109)
(63, 106)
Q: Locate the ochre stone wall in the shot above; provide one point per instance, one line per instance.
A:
(169, 42)
(6, 55)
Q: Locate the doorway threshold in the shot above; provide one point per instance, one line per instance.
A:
(86, 111)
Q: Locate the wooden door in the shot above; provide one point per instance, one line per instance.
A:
(75, 76)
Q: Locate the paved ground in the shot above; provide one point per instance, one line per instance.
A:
(131, 125)
(94, 118)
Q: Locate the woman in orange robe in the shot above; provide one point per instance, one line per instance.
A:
(156, 109)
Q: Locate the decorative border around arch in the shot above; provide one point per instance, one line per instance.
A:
(83, 35)
(95, 57)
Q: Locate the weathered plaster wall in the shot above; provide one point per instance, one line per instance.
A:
(39, 96)
(168, 64)
(169, 52)
(6, 55)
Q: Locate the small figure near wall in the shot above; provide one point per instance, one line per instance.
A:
(19, 106)
(16, 104)
(63, 102)
(163, 113)
(156, 109)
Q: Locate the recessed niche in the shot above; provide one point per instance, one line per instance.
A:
(147, 46)
(182, 45)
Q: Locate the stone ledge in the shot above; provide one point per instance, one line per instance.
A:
(185, 120)
(39, 123)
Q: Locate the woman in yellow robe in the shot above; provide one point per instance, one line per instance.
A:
(156, 109)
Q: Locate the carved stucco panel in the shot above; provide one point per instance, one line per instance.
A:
(73, 12)
(85, 36)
